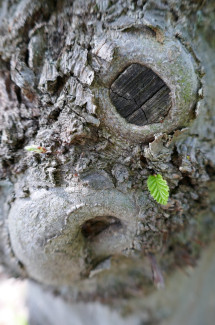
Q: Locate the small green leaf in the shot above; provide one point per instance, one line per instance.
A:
(158, 188)
(35, 148)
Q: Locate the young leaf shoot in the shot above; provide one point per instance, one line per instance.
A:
(35, 148)
(158, 188)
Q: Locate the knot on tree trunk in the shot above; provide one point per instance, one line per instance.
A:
(140, 95)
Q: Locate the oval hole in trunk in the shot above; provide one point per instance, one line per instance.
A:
(92, 227)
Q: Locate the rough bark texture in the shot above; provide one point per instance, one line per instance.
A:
(78, 219)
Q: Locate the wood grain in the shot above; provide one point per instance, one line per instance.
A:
(140, 95)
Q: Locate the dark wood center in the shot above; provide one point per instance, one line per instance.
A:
(91, 228)
(140, 95)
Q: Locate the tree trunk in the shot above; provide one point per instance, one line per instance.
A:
(105, 94)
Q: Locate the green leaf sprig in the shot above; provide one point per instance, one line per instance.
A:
(158, 188)
(35, 148)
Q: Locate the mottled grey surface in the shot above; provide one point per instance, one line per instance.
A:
(189, 298)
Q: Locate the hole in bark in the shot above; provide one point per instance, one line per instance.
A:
(143, 161)
(91, 228)
(186, 180)
(26, 56)
(18, 93)
(140, 95)
(210, 170)
(174, 14)
(176, 158)
(60, 83)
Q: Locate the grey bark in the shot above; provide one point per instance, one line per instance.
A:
(78, 219)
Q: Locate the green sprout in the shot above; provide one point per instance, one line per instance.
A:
(158, 188)
(35, 148)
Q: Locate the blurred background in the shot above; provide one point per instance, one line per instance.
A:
(13, 310)
(190, 294)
